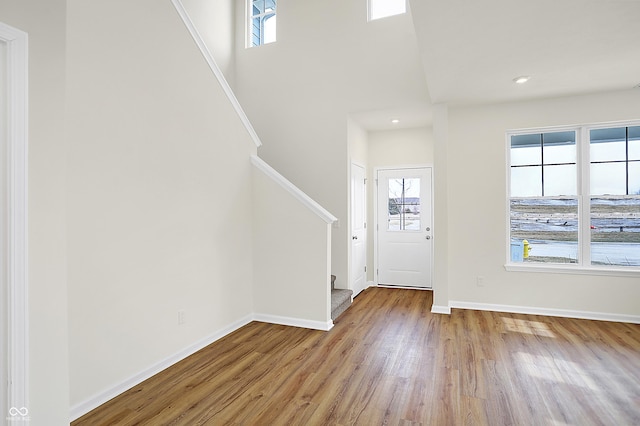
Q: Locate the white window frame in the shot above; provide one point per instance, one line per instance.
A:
(584, 199)
(250, 16)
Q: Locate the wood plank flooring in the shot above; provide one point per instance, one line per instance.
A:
(390, 361)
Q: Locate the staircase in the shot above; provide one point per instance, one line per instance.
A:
(340, 299)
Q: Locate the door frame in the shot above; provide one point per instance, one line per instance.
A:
(376, 219)
(14, 213)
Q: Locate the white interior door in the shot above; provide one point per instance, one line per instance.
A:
(404, 227)
(358, 230)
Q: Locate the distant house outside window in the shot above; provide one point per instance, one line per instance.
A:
(383, 8)
(262, 22)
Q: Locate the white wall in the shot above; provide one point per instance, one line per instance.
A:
(477, 231)
(299, 91)
(158, 194)
(48, 365)
(390, 148)
(214, 20)
(358, 143)
(291, 261)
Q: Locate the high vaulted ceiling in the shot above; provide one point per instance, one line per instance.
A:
(472, 50)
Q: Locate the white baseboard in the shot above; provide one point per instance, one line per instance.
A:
(436, 309)
(95, 401)
(566, 313)
(294, 322)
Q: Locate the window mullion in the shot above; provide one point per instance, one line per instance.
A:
(626, 147)
(542, 163)
(584, 199)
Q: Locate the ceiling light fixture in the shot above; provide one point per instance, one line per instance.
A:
(522, 79)
(395, 121)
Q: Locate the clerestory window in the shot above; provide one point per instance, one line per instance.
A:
(262, 22)
(574, 197)
(383, 8)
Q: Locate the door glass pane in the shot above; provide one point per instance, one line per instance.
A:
(404, 204)
(526, 181)
(608, 178)
(615, 231)
(608, 144)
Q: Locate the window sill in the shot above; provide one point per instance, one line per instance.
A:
(576, 270)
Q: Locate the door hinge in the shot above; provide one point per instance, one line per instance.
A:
(365, 225)
(365, 181)
(365, 268)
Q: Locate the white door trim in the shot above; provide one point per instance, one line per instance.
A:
(14, 220)
(352, 273)
(375, 214)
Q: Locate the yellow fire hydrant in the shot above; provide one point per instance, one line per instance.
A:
(525, 249)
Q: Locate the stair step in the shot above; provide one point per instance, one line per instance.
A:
(340, 301)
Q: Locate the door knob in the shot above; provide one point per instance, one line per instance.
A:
(428, 237)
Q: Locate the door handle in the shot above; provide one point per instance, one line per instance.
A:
(428, 237)
(355, 237)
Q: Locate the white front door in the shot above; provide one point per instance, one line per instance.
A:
(358, 230)
(404, 227)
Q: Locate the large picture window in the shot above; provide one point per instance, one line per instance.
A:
(574, 197)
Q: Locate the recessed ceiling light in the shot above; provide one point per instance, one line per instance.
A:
(395, 121)
(522, 79)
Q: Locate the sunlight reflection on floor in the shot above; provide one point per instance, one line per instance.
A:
(527, 327)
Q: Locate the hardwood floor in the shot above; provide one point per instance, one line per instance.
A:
(389, 360)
